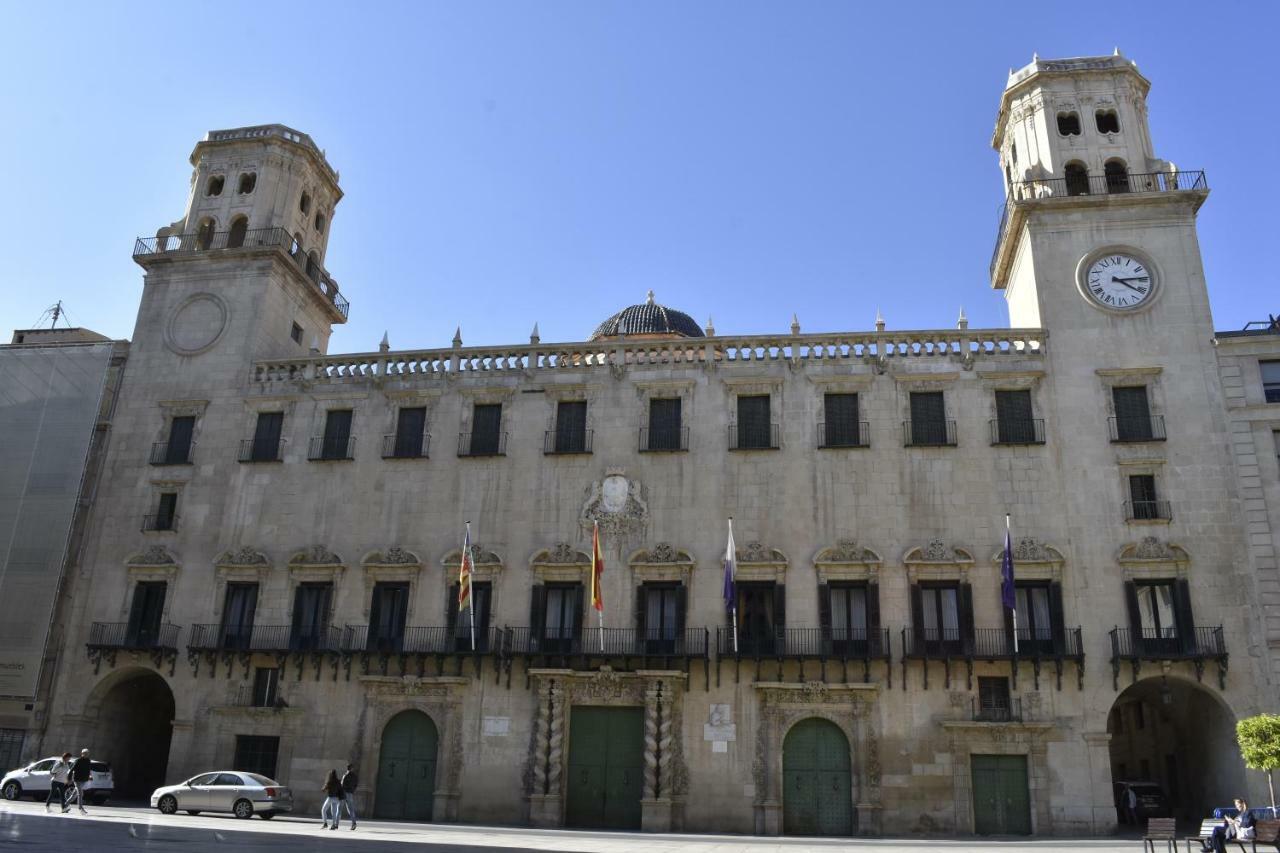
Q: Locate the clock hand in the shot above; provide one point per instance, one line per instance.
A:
(1126, 283)
(1133, 278)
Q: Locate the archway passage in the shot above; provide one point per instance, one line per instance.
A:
(407, 768)
(1179, 736)
(817, 797)
(135, 725)
(606, 768)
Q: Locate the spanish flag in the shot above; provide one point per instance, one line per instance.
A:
(597, 570)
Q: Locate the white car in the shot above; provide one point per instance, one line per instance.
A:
(33, 781)
(243, 794)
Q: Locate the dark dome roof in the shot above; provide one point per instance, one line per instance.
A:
(648, 319)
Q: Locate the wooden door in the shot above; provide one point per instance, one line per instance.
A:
(606, 768)
(407, 768)
(816, 779)
(1001, 799)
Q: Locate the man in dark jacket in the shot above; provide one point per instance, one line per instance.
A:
(81, 769)
(350, 781)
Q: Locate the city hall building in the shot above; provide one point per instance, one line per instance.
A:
(268, 580)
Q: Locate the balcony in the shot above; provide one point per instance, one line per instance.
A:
(826, 645)
(556, 442)
(1126, 430)
(325, 449)
(837, 434)
(1147, 511)
(479, 444)
(253, 239)
(1198, 646)
(664, 439)
(611, 642)
(171, 453)
(108, 638)
(266, 639)
(160, 523)
(252, 450)
(928, 433)
(357, 639)
(995, 644)
(411, 446)
(754, 437)
(1007, 711)
(1016, 432)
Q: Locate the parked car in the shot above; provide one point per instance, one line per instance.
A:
(1151, 799)
(243, 794)
(33, 781)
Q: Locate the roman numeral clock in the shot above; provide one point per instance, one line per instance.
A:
(1117, 279)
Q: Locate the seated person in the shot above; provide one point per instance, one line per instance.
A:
(1233, 828)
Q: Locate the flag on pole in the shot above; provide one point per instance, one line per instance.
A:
(465, 569)
(1008, 592)
(597, 575)
(730, 594)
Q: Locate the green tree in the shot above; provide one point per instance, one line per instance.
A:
(1259, 739)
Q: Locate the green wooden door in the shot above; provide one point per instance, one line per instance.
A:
(817, 798)
(1001, 800)
(606, 768)
(406, 768)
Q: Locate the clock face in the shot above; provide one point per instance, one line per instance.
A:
(1119, 281)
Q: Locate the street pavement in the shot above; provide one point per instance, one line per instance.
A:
(26, 826)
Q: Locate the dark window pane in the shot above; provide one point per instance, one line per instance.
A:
(664, 424)
(753, 421)
(337, 433)
(146, 613)
(928, 418)
(486, 428)
(237, 615)
(481, 596)
(756, 618)
(166, 511)
(411, 425)
(661, 615)
(1013, 417)
(571, 426)
(1270, 380)
(266, 687)
(257, 754)
(840, 412)
(1142, 491)
(266, 436)
(1133, 413)
(387, 615)
(310, 616)
(179, 449)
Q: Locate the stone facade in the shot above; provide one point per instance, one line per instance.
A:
(898, 520)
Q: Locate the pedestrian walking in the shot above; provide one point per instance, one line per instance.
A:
(350, 781)
(333, 796)
(59, 776)
(81, 769)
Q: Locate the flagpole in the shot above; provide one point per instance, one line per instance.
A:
(471, 587)
(734, 557)
(595, 578)
(1008, 545)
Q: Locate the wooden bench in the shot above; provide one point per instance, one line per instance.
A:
(1266, 832)
(1161, 829)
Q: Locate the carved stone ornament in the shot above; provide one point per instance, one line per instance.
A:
(245, 555)
(1029, 550)
(316, 555)
(155, 555)
(480, 556)
(847, 551)
(663, 552)
(938, 551)
(1151, 548)
(563, 554)
(392, 556)
(605, 686)
(617, 504)
(757, 552)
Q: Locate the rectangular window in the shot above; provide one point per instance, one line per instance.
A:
(1142, 493)
(309, 630)
(486, 429)
(840, 426)
(1156, 610)
(11, 747)
(178, 449)
(562, 622)
(759, 618)
(388, 612)
(481, 598)
(994, 702)
(266, 437)
(1270, 380)
(143, 631)
(257, 754)
(571, 426)
(266, 687)
(754, 427)
(1133, 413)
(660, 617)
(928, 418)
(296, 333)
(939, 627)
(1014, 424)
(336, 442)
(848, 615)
(411, 430)
(238, 610)
(1035, 618)
(666, 431)
(166, 516)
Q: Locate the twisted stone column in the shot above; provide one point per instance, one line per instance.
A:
(651, 713)
(555, 740)
(540, 739)
(665, 755)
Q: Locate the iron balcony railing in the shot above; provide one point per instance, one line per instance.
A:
(406, 445)
(420, 641)
(160, 522)
(1147, 511)
(1009, 710)
(611, 642)
(123, 635)
(482, 444)
(170, 453)
(834, 434)
(992, 644)
(248, 697)
(324, 449)
(811, 643)
(664, 439)
(1020, 431)
(754, 437)
(928, 433)
(1151, 644)
(252, 450)
(252, 238)
(278, 639)
(1139, 428)
(568, 441)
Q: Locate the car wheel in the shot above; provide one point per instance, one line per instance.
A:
(192, 812)
(168, 804)
(267, 815)
(12, 791)
(242, 809)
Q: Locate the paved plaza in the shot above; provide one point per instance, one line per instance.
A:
(26, 826)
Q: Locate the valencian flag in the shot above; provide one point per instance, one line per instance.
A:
(465, 569)
(1008, 592)
(597, 575)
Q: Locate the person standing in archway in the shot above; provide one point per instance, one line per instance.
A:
(59, 776)
(81, 770)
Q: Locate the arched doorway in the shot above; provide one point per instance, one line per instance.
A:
(135, 725)
(407, 768)
(1180, 736)
(817, 796)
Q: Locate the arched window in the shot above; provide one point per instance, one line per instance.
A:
(1117, 176)
(248, 180)
(1013, 152)
(1107, 121)
(304, 203)
(204, 233)
(1069, 124)
(320, 221)
(214, 186)
(1077, 178)
(239, 226)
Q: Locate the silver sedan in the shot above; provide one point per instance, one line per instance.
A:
(242, 794)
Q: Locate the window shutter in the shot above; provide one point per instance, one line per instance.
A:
(1135, 615)
(682, 607)
(1009, 628)
(136, 611)
(917, 613)
(965, 602)
(484, 604)
(824, 611)
(375, 612)
(1182, 615)
(451, 608)
(780, 611)
(537, 615)
(1057, 623)
(640, 608)
(578, 603)
(873, 619)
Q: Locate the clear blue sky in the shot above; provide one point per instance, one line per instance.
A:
(506, 163)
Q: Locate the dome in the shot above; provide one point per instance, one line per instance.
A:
(648, 319)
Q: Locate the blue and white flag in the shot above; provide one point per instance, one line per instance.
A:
(730, 569)
(1009, 592)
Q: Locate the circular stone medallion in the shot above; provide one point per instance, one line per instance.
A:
(196, 324)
